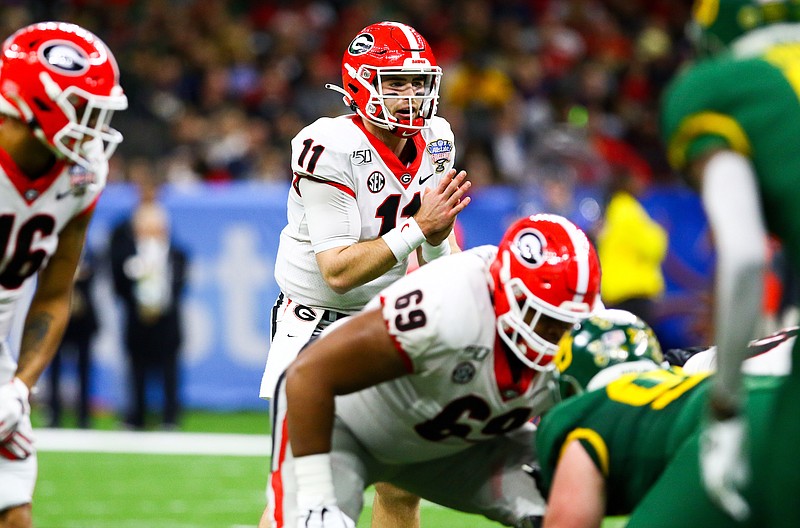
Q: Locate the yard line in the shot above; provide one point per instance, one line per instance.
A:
(155, 442)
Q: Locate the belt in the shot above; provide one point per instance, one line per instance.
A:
(331, 316)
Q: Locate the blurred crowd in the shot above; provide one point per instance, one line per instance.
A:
(545, 94)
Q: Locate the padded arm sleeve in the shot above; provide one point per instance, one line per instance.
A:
(731, 200)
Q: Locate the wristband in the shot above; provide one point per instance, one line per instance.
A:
(430, 252)
(314, 481)
(404, 239)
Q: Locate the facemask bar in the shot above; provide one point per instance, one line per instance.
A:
(376, 110)
(520, 336)
(88, 139)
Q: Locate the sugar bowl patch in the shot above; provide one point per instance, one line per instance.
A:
(440, 151)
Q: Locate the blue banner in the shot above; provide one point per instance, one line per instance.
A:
(231, 233)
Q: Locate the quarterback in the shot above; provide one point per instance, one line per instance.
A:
(433, 385)
(731, 123)
(59, 87)
(369, 188)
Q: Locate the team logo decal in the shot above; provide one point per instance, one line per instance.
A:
(405, 178)
(529, 248)
(361, 44)
(64, 58)
(375, 182)
(439, 151)
(463, 373)
(304, 313)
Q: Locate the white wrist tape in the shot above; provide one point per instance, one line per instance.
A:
(314, 481)
(404, 239)
(430, 252)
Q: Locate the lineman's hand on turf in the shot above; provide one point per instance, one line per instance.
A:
(324, 517)
(13, 405)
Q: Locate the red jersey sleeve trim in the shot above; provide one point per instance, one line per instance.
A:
(344, 188)
(403, 354)
(89, 209)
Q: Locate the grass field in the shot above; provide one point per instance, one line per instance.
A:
(80, 489)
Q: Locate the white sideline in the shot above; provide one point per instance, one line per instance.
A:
(161, 443)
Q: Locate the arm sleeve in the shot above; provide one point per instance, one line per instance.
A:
(331, 214)
(731, 200)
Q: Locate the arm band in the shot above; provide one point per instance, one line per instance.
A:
(430, 252)
(314, 481)
(404, 239)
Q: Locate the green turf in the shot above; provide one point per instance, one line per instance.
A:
(245, 422)
(109, 490)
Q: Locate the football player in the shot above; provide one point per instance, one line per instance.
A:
(602, 451)
(59, 87)
(433, 385)
(369, 188)
(731, 122)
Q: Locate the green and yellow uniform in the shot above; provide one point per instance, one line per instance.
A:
(642, 433)
(748, 100)
(631, 429)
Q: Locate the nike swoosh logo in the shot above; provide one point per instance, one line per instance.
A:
(62, 195)
(426, 178)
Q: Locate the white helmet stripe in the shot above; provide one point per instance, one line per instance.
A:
(581, 245)
(412, 41)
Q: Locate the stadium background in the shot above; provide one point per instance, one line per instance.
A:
(552, 101)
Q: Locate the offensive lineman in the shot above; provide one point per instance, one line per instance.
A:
(369, 189)
(432, 386)
(59, 87)
(731, 123)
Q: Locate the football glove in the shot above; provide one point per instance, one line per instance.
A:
(316, 502)
(723, 464)
(13, 405)
(324, 517)
(20, 444)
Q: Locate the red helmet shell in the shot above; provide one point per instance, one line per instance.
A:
(389, 48)
(545, 267)
(64, 82)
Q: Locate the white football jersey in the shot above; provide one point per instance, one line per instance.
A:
(378, 192)
(32, 215)
(459, 389)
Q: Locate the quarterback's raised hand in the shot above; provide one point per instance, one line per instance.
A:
(439, 207)
(13, 405)
(19, 444)
(724, 465)
(316, 502)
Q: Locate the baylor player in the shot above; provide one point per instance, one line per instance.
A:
(732, 125)
(603, 451)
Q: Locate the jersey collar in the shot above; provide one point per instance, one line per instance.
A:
(27, 188)
(390, 158)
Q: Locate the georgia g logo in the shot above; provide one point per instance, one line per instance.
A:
(64, 58)
(529, 247)
(361, 44)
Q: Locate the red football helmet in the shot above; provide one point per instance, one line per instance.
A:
(380, 50)
(546, 278)
(63, 82)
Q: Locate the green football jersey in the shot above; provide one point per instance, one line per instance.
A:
(631, 429)
(750, 105)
